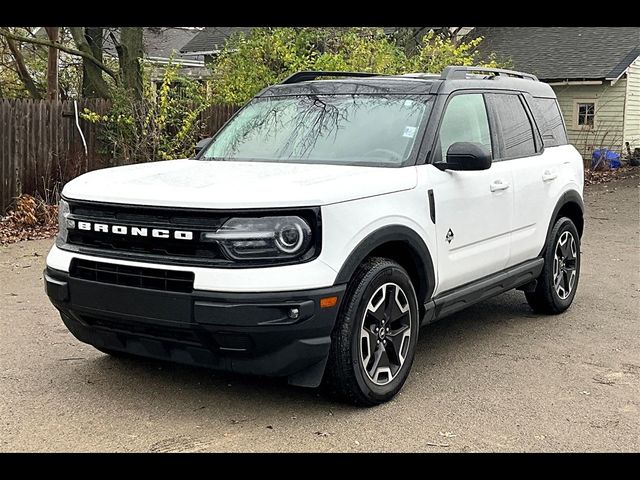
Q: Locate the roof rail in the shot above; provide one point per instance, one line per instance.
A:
(456, 72)
(311, 75)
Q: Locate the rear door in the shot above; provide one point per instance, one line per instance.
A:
(537, 171)
(473, 209)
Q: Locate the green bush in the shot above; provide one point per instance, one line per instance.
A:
(163, 126)
(247, 64)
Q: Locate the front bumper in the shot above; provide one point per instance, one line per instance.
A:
(248, 333)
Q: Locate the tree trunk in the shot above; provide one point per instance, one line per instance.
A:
(130, 53)
(94, 37)
(52, 64)
(93, 84)
(23, 72)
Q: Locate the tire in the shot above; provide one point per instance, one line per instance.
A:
(352, 372)
(549, 297)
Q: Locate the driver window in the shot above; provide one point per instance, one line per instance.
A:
(465, 120)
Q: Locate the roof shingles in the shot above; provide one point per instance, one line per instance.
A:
(211, 39)
(559, 53)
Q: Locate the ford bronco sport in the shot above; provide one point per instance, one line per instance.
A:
(324, 224)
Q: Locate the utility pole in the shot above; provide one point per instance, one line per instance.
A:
(52, 64)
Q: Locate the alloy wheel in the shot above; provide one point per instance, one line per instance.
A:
(564, 265)
(385, 333)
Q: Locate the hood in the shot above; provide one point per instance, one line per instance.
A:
(220, 184)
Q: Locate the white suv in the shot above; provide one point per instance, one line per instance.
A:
(324, 224)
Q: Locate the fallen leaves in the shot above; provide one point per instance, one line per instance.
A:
(30, 219)
(595, 177)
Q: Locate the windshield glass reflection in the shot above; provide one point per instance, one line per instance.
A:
(373, 130)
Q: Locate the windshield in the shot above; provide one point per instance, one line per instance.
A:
(371, 130)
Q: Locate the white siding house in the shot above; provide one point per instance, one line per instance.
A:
(608, 127)
(595, 72)
(632, 105)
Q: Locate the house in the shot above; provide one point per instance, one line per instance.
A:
(160, 44)
(595, 72)
(164, 43)
(209, 42)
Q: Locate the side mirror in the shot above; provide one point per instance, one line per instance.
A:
(466, 156)
(201, 144)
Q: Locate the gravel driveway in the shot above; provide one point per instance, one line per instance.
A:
(495, 377)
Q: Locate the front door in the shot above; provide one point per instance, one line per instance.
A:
(474, 209)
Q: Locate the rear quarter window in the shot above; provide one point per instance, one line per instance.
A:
(549, 120)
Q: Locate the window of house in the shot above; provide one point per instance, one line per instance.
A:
(586, 113)
(465, 120)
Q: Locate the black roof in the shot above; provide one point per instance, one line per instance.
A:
(162, 42)
(352, 86)
(212, 38)
(563, 53)
(413, 84)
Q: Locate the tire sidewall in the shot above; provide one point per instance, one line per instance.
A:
(388, 274)
(562, 225)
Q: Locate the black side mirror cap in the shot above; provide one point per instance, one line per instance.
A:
(200, 145)
(466, 156)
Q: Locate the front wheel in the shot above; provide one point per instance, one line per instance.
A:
(374, 341)
(557, 284)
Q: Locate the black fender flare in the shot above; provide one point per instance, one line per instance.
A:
(392, 233)
(571, 196)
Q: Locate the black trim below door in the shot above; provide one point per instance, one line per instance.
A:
(466, 295)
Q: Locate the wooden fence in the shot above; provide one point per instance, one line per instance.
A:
(41, 147)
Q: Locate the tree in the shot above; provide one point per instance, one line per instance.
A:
(268, 55)
(35, 59)
(87, 45)
(130, 52)
(93, 83)
(52, 64)
(20, 67)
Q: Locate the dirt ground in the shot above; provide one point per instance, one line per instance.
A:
(495, 377)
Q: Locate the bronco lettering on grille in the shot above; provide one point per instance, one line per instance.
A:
(136, 231)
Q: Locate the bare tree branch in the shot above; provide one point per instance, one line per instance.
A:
(72, 51)
(23, 72)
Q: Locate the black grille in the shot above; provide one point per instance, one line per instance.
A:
(151, 278)
(175, 249)
(194, 221)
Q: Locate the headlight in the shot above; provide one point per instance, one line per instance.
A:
(64, 223)
(262, 238)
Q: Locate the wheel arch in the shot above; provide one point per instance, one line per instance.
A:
(401, 244)
(571, 206)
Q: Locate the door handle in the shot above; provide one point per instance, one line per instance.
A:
(549, 175)
(498, 185)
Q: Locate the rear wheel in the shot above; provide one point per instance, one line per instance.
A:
(558, 282)
(374, 341)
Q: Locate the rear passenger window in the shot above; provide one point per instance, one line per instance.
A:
(549, 121)
(514, 128)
